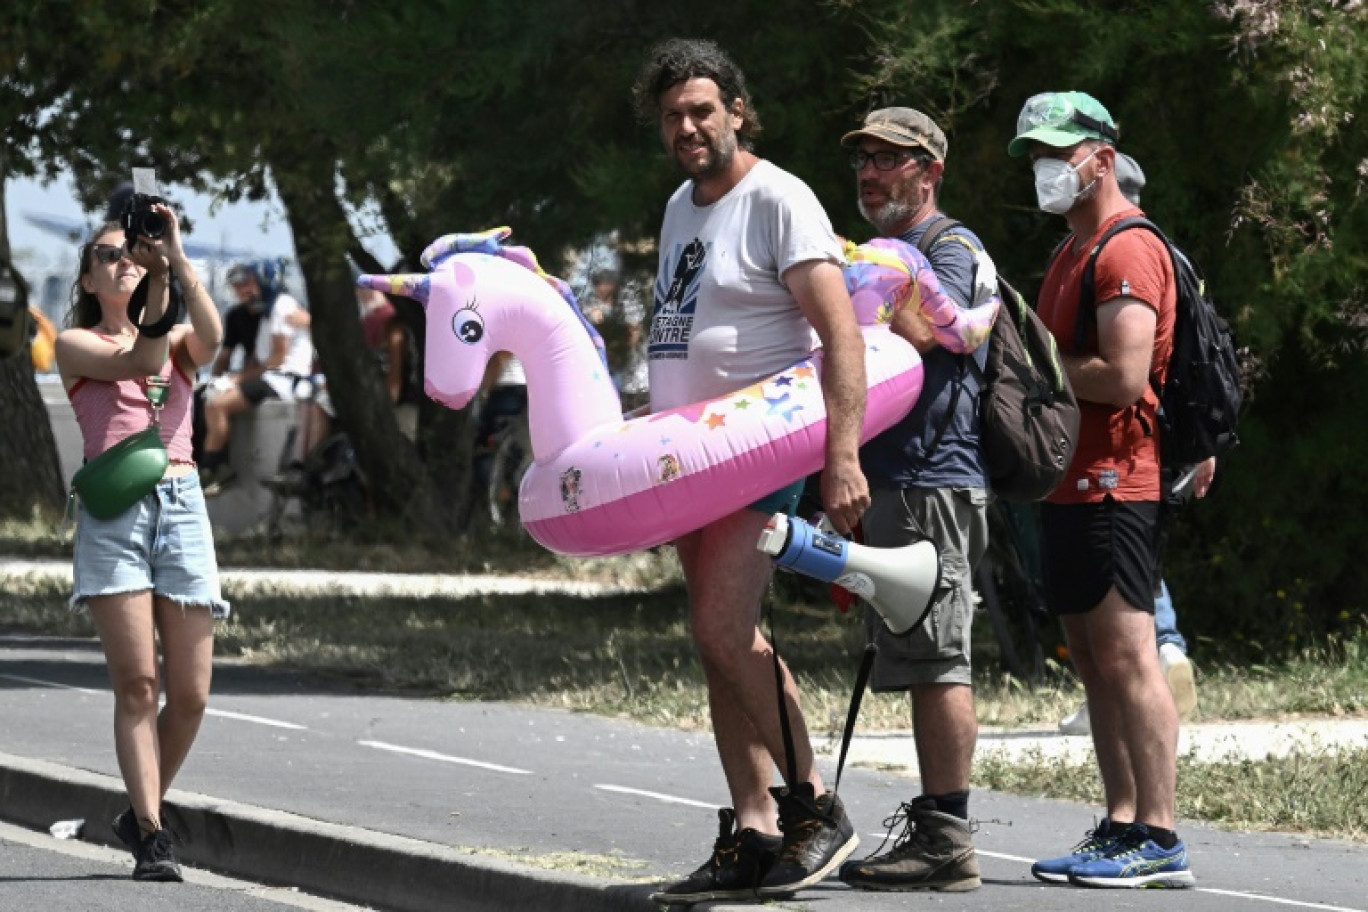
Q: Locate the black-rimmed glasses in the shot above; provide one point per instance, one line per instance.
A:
(884, 160)
(108, 254)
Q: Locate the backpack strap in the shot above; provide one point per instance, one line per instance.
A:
(939, 226)
(1087, 297)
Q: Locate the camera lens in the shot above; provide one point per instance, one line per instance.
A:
(152, 225)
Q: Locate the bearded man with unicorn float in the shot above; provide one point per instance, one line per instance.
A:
(747, 258)
(602, 484)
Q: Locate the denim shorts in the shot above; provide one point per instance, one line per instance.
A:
(163, 543)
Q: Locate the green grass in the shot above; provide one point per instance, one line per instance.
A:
(630, 655)
(1317, 791)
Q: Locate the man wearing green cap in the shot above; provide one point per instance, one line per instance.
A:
(1101, 525)
(927, 480)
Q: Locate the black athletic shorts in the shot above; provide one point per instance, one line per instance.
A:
(256, 391)
(1088, 548)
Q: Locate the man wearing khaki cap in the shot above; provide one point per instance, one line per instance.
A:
(927, 480)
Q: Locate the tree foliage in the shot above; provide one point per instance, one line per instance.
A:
(457, 115)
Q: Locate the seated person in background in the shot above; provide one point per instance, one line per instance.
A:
(503, 399)
(282, 356)
(619, 319)
(600, 303)
(236, 356)
(396, 354)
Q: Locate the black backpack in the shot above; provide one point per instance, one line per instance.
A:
(1028, 416)
(1199, 402)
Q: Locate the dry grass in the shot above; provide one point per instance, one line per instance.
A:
(1319, 792)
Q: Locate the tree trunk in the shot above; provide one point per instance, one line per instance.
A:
(400, 484)
(30, 470)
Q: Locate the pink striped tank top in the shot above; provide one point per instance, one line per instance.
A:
(107, 411)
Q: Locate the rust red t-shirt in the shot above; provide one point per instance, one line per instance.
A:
(1118, 448)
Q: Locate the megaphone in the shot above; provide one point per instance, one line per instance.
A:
(899, 582)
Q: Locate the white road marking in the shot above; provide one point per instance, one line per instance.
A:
(433, 755)
(1006, 857)
(1236, 893)
(259, 720)
(668, 799)
(23, 680)
(1277, 899)
(222, 713)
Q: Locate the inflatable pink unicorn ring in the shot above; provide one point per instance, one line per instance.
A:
(601, 484)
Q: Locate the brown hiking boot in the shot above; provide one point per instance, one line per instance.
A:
(933, 852)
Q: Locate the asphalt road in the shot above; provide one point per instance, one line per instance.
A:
(518, 790)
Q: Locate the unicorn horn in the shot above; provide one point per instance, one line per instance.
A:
(416, 285)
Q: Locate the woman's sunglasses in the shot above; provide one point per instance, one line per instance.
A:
(108, 254)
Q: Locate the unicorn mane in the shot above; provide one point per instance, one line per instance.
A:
(491, 242)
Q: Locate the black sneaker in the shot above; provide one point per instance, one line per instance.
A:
(817, 838)
(126, 827)
(739, 861)
(156, 858)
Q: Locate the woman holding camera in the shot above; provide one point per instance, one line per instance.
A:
(148, 574)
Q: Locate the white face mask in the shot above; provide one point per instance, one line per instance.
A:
(1057, 184)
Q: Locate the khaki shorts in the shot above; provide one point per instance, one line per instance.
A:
(937, 650)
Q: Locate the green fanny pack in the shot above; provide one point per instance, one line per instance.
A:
(129, 470)
(122, 475)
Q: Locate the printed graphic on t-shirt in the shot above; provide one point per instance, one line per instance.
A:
(676, 303)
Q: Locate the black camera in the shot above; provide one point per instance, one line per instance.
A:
(139, 219)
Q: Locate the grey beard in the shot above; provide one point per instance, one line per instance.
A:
(889, 216)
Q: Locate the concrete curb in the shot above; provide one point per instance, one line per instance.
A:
(345, 863)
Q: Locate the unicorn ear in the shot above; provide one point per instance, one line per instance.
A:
(415, 285)
(479, 242)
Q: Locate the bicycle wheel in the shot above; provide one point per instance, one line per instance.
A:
(512, 456)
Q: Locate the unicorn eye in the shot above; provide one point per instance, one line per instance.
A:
(468, 325)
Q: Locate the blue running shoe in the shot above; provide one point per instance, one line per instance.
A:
(1094, 845)
(1135, 860)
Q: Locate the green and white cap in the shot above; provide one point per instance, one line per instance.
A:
(1061, 119)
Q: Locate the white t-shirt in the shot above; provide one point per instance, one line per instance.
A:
(299, 354)
(722, 316)
(511, 373)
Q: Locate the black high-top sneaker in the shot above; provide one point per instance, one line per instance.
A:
(817, 838)
(739, 861)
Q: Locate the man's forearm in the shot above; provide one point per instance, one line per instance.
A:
(843, 391)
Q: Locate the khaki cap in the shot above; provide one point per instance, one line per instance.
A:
(902, 127)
